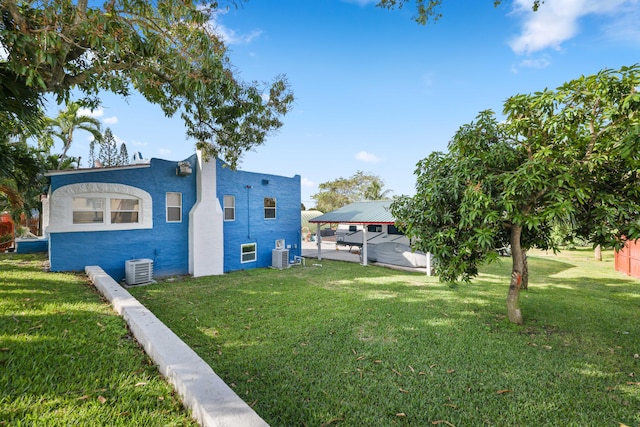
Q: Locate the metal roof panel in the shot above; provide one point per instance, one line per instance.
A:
(366, 212)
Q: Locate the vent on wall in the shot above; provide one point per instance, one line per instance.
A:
(138, 271)
(280, 258)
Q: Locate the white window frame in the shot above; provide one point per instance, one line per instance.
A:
(113, 211)
(61, 207)
(169, 206)
(75, 210)
(270, 208)
(228, 207)
(107, 210)
(243, 253)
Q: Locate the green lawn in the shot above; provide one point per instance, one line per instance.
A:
(349, 345)
(66, 359)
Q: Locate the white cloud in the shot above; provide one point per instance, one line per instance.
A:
(164, 151)
(539, 63)
(305, 182)
(365, 157)
(98, 112)
(110, 120)
(228, 35)
(625, 27)
(558, 21)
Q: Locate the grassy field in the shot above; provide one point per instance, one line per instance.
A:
(67, 359)
(349, 345)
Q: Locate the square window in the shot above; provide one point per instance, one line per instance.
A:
(392, 229)
(174, 207)
(124, 211)
(229, 208)
(88, 210)
(248, 252)
(269, 208)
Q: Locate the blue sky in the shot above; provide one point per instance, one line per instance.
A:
(377, 92)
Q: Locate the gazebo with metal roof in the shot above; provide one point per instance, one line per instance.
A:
(359, 213)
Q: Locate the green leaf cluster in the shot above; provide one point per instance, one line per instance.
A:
(343, 191)
(566, 156)
(167, 50)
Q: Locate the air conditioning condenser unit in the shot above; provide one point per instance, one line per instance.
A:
(138, 271)
(280, 258)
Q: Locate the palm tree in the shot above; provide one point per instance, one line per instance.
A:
(374, 191)
(64, 126)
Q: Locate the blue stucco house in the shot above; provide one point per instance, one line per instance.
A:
(190, 217)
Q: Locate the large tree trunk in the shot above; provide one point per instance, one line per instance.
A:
(517, 272)
(598, 253)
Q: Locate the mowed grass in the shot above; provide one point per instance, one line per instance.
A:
(66, 359)
(347, 345)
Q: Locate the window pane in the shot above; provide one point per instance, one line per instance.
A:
(248, 252)
(88, 203)
(173, 214)
(392, 229)
(269, 208)
(124, 217)
(269, 202)
(88, 217)
(124, 205)
(229, 208)
(88, 210)
(174, 207)
(174, 199)
(124, 211)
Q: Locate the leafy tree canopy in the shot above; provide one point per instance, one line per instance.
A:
(570, 155)
(21, 177)
(342, 191)
(167, 50)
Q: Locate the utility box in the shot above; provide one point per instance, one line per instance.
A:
(138, 271)
(280, 258)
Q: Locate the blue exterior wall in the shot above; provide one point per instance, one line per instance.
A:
(30, 246)
(166, 243)
(249, 225)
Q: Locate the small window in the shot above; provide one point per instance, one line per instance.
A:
(124, 211)
(248, 252)
(392, 229)
(374, 228)
(269, 208)
(353, 228)
(174, 207)
(88, 210)
(229, 208)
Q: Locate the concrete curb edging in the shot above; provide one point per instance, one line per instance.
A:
(212, 402)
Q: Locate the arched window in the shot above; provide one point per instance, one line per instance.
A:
(99, 206)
